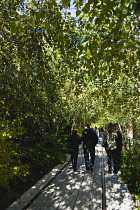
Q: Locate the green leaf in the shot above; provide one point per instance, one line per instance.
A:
(108, 58)
(98, 4)
(94, 43)
(13, 27)
(89, 54)
(40, 15)
(78, 12)
(66, 3)
(78, 3)
(86, 8)
(138, 53)
(85, 43)
(107, 21)
(105, 44)
(98, 21)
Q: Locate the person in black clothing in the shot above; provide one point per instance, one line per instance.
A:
(73, 142)
(101, 130)
(90, 140)
(119, 145)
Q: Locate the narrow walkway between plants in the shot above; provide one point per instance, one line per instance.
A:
(78, 190)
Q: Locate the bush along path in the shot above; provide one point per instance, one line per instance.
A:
(130, 167)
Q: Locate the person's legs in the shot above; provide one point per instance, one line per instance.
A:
(109, 160)
(75, 157)
(86, 156)
(115, 161)
(118, 157)
(72, 158)
(92, 157)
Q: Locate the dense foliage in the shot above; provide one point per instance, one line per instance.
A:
(58, 72)
(130, 169)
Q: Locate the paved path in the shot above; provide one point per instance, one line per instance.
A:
(80, 190)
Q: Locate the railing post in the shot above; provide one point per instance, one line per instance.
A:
(103, 184)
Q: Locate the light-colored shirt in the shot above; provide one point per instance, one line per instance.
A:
(111, 140)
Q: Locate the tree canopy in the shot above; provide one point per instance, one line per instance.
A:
(58, 70)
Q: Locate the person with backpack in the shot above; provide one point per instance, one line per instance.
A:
(110, 140)
(90, 139)
(73, 143)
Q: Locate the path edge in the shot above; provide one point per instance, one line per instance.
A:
(31, 193)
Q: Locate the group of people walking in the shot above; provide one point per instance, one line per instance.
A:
(112, 141)
(89, 139)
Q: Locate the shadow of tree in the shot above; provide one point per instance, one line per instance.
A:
(73, 190)
(83, 190)
(117, 193)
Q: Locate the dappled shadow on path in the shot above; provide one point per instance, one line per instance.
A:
(117, 194)
(82, 190)
(73, 190)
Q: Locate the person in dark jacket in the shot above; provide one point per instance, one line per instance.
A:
(119, 145)
(90, 140)
(101, 130)
(73, 142)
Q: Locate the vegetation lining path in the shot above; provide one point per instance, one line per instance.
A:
(58, 71)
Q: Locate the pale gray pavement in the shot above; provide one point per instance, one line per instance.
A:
(80, 190)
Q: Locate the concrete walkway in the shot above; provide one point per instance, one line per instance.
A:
(80, 190)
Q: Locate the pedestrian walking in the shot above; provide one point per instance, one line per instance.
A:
(111, 148)
(101, 130)
(90, 139)
(73, 143)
